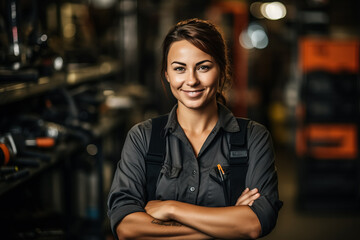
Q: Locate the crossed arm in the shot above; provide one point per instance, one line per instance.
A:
(178, 220)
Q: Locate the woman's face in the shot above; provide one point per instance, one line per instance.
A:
(193, 75)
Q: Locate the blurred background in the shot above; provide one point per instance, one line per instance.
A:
(75, 75)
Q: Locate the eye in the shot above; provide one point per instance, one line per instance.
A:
(204, 68)
(179, 69)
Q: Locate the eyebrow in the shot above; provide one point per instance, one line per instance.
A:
(197, 64)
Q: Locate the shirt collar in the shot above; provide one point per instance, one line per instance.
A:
(227, 120)
(172, 122)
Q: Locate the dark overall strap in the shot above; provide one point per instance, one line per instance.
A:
(238, 160)
(155, 155)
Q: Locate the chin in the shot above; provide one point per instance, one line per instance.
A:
(200, 103)
(196, 105)
(193, 106)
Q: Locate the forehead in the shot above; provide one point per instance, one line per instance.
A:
(185, 50)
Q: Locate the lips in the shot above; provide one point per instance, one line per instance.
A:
(193, 93)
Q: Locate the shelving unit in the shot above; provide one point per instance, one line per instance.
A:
(68, 159)
(6, 186)
(11, 92)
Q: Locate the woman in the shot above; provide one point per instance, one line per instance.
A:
(190, 204)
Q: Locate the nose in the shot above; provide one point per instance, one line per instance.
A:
(192, 79)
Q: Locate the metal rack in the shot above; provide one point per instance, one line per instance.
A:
(11, 92)
(63, 158)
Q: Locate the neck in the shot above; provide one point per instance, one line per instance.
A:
(198, 120)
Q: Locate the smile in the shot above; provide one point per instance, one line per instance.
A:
(193, 93)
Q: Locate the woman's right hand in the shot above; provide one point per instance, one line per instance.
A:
(248, 197)
(159, 209)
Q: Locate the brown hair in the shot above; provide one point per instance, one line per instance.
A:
(205, 36)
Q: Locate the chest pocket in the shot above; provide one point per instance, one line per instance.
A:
(167, 187)
(218, 190)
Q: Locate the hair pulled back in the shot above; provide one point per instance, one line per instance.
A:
(205, 36)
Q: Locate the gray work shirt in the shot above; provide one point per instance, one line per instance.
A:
(187, 178)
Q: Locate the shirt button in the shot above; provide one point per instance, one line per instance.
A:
(192, 189)
(193, 172)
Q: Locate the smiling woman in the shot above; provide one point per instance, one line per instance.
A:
(191, 198)
(193, 76)
(206, 38)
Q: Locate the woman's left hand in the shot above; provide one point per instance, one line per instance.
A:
(159, 209)
(248, 197)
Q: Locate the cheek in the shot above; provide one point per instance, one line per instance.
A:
(175, 81)
(173, 86)
(212, 82)
(174, 89)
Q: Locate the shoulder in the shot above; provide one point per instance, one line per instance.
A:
(258, 135)
(140, 133)
(141, 127)
(255, 128)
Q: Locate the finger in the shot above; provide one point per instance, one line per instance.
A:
(243, 196)
(247, 201)
(244, 202)
(247, 193)
(254, 190)
(255, 196)
(247, 197)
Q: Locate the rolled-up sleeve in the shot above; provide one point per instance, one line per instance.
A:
(262, 175)
(127, 192)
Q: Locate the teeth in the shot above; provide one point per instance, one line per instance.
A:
(192, 93)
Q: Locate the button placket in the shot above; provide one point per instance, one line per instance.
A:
(194, 181)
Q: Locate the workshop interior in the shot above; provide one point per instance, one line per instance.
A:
(76, 75)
